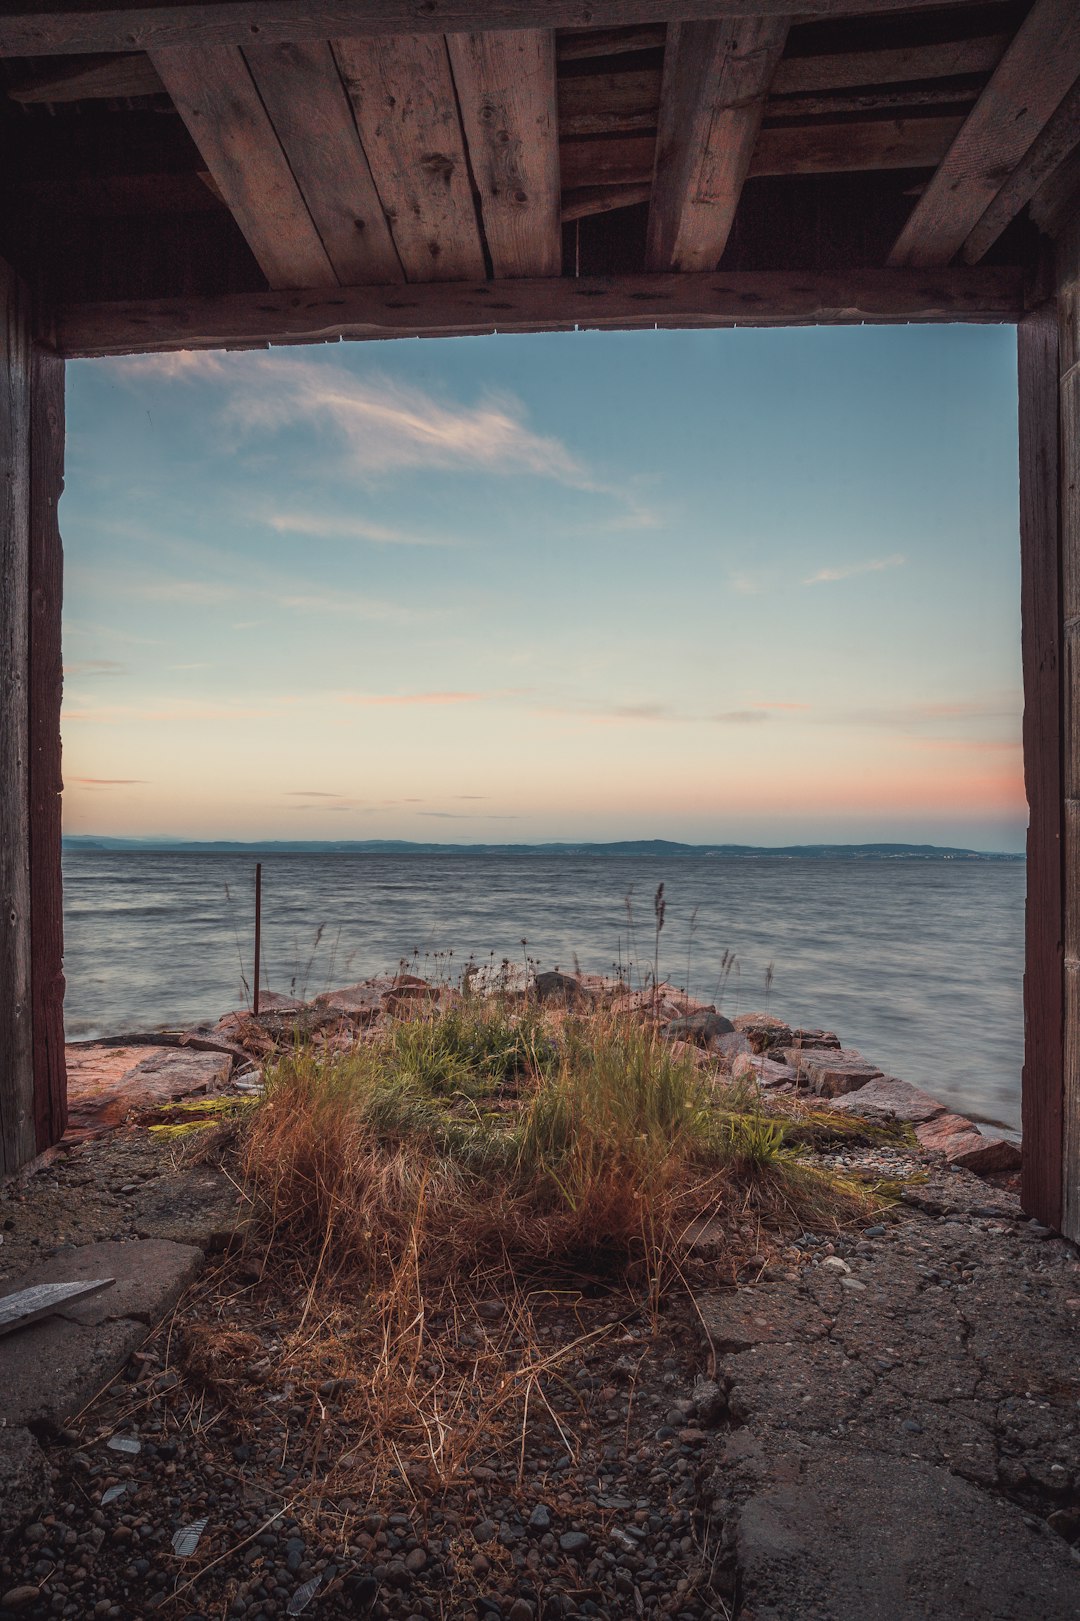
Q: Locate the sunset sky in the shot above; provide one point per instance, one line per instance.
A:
(754, 586)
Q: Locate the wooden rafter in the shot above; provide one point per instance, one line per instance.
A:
(403, 98)
(900, 64)
(1025, 90)
(65, 27)
(505, 86)
(716, 78)
(215, 95)
(1058, 140)
(550, 304)
(301, 89)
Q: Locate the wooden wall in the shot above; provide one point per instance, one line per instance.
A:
(32, 1073)
(1068, 321)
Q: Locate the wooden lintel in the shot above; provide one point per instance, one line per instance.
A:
(68, 27)
(716, 77)
(1030, 82)
(557, 304)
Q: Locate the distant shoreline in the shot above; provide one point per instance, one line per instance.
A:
(104, 844)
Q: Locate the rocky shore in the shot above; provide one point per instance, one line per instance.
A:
(834, 1424)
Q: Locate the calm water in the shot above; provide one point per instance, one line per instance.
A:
(918, 964)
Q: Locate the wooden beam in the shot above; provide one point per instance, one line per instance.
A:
(582, 44)
(402, 93)
(1047, 152)
(1025, 90)
(45, 780)
(67, 27)
(553, 304)
(215, 95)
(716, 78)
(1040, 613)
(1067, 489)
(18, 1140)
(505, 85)
(905, 64)
(301, 89)
(589, 200)
(103, 78)
(609, 103)
(879, 143)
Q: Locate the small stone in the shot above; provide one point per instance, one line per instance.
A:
(540, 1518)
(835, 1264)
(873, 1232)
(16, 1598)
(520, 1610)
(573, 1542)
(491, 1309)
(416, 1561)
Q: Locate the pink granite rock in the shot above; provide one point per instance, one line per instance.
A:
(963, 1144)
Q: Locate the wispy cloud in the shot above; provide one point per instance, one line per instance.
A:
(740, 717)
(378, 699)
(108, 782)
(848, 571)
(325, 527)
(87, 667)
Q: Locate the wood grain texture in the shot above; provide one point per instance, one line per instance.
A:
(880, 143)
(1025, 90)
(505, 86)
(1045, 155)
(215, 95)
(589, 200)
(609, 103)
(904, 64)
(1068, 310)
(402, 94)
(553, 304)
(17, 1137)
(51, 27)
(716, 78)
(100, 78)
(1040, 610)
(301, 89)
(46, 683)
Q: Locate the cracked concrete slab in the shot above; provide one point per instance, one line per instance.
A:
(52, 1368)
(907, 1411)
(200, 1206)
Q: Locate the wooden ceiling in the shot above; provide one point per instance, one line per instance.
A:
(223, 149)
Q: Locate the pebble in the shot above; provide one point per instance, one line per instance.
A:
(540, 1518)
(573, 1542)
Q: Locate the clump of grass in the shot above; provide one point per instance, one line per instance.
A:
(491, 1137)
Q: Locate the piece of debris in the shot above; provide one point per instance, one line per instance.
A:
(124, 1443)
(30, 1305)
(187, 1538)
(303, 1596)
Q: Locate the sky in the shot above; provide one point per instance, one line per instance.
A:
(750, 586)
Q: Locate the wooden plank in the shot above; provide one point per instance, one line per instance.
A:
(1040, 612)
(1046, 153)
(905, 64)
(887, 143)
(302, 91)
(583, 44)
(896, 99)
(877, 143)
(609, 103)
(215, 95)
(505, 85)
(1068, 311)
(27, 1306)
(102, 78)
(716, 78)
(46, 683)
(1025, 90)
(402, 94)
(552, 304)
(17, 1138)
(66, 27)
(589, 200)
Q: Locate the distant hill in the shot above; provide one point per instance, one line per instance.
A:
(621, 847)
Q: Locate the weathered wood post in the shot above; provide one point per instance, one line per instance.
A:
(1068, 486)
(32, 1072)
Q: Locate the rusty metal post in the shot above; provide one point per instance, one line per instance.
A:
(258, 936)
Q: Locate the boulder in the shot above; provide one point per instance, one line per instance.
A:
(831, 1072)
(765, 1071)
(814, 1038)
(887, 1098)
(552, 986)
(704, 1029)
(763, 1031)
(963, 1144)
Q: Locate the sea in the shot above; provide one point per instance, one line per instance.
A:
(918, 963)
